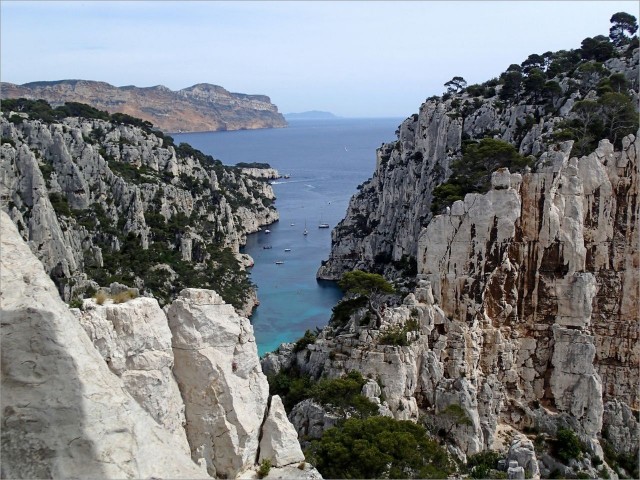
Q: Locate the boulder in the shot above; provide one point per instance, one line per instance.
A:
(279, 442)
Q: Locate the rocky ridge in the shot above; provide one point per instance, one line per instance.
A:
(199, 108)
(94, 394)
(107, 200)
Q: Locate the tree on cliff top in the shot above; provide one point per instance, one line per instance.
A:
(370, 285)
(622, 22)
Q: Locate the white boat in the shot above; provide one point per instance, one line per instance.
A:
(279, 262)
(287, 249)
(267, 231)
(305, 228)
(323, 225)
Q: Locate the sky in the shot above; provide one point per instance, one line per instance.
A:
(354, 59)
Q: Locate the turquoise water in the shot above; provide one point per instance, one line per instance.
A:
(327, 160)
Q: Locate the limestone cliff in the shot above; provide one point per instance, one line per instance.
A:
(199, 108)
(384, 218)
(523, 311)
(525, 315)
(103, 200)
(95, 395)
(64, 414)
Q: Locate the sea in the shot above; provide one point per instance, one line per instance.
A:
(325, 161)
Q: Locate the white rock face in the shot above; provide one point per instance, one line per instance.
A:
(279, 442)
(522, 452)
(218, 371)
(64, 413)
(135, 341)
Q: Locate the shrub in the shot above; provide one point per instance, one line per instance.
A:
(472, 172)
(264, 469)
(307, 339)
(567, 446)
(342, 312)
(457, 414)
(480, 464)
(101, 297)
(379, 447)
(124, 296)
(75, 303)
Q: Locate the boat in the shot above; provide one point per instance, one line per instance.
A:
(322, 224)
(279, 262)
(293, 224)
(287, 249)
(305, 228)
(267, 247)
(286, 176)
(267, 231)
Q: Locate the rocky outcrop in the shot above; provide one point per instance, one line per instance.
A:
(218, 371)
(64, 413)
(279, 443)
(99, 200)
(200, 108)
(134, 340)
(94, 395)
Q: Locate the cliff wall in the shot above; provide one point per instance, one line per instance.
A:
(199, 108)
(525, 315)
(384, 218)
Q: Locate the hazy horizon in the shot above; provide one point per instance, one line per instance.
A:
(353, 59)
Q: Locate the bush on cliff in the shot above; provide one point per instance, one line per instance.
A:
(379, 447)
(472, 172)
(341, 394)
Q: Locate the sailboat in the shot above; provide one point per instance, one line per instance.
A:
(305, 228)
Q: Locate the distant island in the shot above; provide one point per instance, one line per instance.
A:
(199, 108)
(310, 115)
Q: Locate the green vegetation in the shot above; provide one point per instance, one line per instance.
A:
(252, 165)
(397, 335)
(265, 468)
(343, 395)
(344, 309)
(161, 266)
(612, 116)
(369, 285)
(622, 24)
(60, 204)
(457, 414)
(379, 447)
(567, 446)
(456, 85)
(308, 338)
(618, 461)
(481, 464)
(472, 172)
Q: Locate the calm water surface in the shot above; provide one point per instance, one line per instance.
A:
(326, 160)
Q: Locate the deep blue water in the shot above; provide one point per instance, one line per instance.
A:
(327, 160)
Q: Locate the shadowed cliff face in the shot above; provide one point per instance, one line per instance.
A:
(200, 108)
